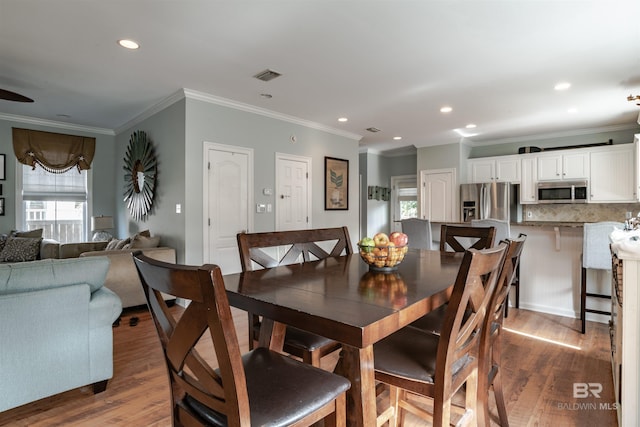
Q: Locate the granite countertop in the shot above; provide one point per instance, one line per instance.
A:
(547, 224)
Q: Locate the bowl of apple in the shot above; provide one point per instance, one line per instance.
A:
(384, 252)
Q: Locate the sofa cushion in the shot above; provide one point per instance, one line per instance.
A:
(20, 249)
(51, 273)
(142, 242)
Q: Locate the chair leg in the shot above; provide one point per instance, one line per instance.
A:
(311, 358)
(496, 382)
(583, 299)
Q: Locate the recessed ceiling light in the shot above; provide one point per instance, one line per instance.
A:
(572, 110)
(446, 109)
(397, 138)
(129, 44)
(470, 126)
(562, 86)
(343, 119)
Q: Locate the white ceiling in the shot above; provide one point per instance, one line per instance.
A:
(384, 64)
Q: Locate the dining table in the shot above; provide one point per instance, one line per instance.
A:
(342, 299)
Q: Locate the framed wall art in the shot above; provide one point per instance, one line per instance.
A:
(336, 184)
(3, 167)
(1, 206)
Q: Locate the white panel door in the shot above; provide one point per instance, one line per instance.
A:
(293, 192)
(438, 199)
(227, 204)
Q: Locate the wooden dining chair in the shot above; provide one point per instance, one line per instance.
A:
(490, 351)
(414, 361)
(259, 388)
(503, 232)
(459, 238)
(271, 249)
(491, 344)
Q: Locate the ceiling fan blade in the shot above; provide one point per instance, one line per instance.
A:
(12, 96)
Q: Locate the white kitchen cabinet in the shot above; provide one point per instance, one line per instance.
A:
(495, 169)
(612, 174)
(574, 165)
(528, 178)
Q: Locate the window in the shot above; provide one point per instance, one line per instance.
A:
(55, 202)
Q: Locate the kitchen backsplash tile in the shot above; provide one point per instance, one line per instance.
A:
(589, 212)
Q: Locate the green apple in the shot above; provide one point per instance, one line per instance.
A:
(367, 244)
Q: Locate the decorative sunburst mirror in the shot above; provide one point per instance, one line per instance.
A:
(140, 175)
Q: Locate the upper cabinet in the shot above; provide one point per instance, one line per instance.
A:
(495, 169)
(574, 165)
(612, 174)
(529, 172)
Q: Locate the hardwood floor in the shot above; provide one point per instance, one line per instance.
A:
(543, 356)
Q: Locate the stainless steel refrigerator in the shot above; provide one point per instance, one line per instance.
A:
(487, 200)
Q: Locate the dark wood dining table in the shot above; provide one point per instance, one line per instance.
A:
(339, 298)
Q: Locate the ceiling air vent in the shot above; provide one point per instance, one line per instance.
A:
(267, 75)
(374, 130)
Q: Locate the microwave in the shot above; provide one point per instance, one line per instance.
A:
(562, 191)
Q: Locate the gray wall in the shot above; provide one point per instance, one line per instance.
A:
(206, 122)
(103, 190)
(166, 130)
(377, 170)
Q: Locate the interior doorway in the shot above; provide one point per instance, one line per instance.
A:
(404, 200)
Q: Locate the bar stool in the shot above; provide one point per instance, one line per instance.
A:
(419, 232)
(595, 255)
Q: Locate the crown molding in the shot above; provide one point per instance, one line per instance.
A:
(171, 99)
(54, 124)
(205, 97)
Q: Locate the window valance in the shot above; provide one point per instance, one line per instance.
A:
(55, 152)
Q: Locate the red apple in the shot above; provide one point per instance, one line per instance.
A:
(398, 238)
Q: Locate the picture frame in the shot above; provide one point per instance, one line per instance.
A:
(3, 167)
(1, 206)
(336, 184)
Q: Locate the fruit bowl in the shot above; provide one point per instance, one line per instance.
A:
(383, 258)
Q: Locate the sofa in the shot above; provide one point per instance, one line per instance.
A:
(122, 277)
(56, 328)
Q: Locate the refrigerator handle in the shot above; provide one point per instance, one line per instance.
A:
(482, 211)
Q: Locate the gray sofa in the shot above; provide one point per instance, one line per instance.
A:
(56, 328)
(122, 277)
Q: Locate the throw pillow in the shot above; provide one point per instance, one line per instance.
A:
(20, 249)
(122, 243)
(30, 233)
(143, 242)
(112, 244)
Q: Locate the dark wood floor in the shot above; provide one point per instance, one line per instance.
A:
(543, 357)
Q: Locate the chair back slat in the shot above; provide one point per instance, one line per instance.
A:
(458, 238)
(466, 311)
(224, 390)
(507, 277)
(263, 249)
